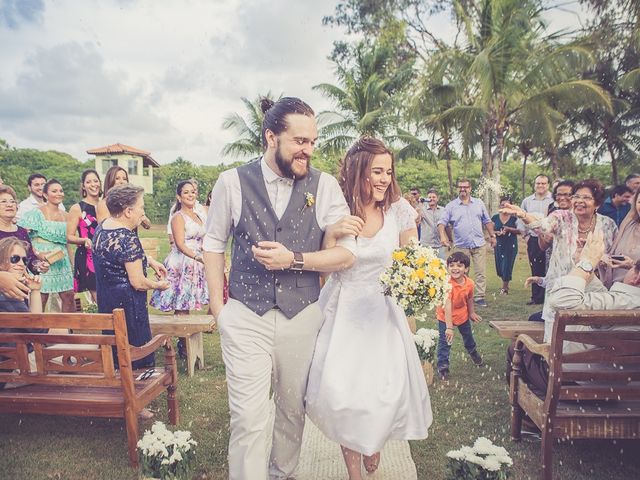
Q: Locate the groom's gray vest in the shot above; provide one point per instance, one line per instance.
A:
(249, 281)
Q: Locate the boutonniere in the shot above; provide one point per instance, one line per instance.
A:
(309, 200)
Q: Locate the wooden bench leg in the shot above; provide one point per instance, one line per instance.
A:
(131, 423)
(547, 451)
(195, 352)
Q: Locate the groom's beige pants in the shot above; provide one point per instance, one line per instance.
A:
(264, 353)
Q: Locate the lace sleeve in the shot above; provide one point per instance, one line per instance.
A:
(405, 214)
(129, 248)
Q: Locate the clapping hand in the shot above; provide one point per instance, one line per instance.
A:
(513, 210)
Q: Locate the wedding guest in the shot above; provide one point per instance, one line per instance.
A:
(366, 384)
(616, 205)
(188, 287)
(625, 251)
(121, 266)
(116, 175)
(468, 215)
(430, 213)
(13, 259)
(81, 225)
(538, 203)
(47, 227)
(411, 199)
(200, 210)
(459, 312)
(569, 229)
(633, 181)
(506, 249)
(36, 199)
(36, 262)
(579, 289)
(276, 209)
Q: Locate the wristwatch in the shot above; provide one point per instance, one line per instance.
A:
(585, 265)
(298, 262)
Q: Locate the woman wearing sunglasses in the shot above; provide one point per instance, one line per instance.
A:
(13, 260)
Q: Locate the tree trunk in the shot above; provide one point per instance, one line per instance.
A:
(486, 149)
(614, 164)
(553, 159)
(447, 157)
(524, 175)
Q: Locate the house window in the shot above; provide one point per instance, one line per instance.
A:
(133, 167)
(107, 163)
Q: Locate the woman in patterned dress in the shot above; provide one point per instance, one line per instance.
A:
(184, 263)
(81, 225)
(47, 227)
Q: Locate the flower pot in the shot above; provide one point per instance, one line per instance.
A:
(427, 368)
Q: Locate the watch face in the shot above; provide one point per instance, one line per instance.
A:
(585, 265)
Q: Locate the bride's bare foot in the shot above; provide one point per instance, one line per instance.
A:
(371, 462)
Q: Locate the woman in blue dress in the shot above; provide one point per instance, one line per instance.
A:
(506, 249)
(120, 263)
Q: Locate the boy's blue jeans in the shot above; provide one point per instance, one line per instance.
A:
(444, 348)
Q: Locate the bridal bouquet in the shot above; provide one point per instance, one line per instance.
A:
(483, 461)
(165, 454)
(426, 340)
(417, 279)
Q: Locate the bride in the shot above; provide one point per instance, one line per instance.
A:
(366, 384)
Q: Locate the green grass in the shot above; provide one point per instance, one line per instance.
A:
(473, 403)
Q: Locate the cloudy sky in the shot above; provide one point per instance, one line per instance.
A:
(157, 74)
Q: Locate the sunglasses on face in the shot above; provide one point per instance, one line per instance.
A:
(16, 258)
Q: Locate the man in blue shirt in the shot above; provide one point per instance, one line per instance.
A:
(468, 215)
(617, 205)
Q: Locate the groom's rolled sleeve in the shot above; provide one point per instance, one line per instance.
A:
(220, 218)
(331, 207)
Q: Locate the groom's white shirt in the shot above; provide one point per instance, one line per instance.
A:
(226, 205)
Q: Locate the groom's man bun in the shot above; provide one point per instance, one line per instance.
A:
(275, 114)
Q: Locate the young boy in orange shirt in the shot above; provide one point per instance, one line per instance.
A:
(458, 311)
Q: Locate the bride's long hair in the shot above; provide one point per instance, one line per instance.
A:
(355, 170)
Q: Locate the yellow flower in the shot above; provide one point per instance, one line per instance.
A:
(435, 263)
(432, 292)
(420, 261)
(420, 273)
(399, 255)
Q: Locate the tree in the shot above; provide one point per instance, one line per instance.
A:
(248, 129)
(364, 97)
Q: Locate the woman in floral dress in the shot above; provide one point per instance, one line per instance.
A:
(188, 287)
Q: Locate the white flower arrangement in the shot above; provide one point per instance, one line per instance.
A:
(165, 454)
(426, 340)
(417, 279)
(483, 461)
(488, 185)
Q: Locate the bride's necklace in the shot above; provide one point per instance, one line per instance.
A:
(590, 228)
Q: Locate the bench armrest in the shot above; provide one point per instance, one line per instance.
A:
(542, 349)
(151, 346)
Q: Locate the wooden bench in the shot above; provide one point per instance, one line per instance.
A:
(74, 374)
(189, 327)
(513, 328)
(592, 393)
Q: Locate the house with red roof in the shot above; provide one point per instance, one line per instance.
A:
(138, 163)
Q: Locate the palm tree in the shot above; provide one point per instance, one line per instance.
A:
(248, 129)
(515, 75)
(364, 97)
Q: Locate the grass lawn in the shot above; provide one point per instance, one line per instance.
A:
(473, 403)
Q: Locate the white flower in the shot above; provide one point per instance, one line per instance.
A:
(492, 464)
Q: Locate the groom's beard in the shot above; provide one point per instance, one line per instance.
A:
(286, 166)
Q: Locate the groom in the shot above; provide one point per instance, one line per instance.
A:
(276, 210)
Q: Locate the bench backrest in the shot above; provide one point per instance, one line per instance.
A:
(608, 370)
(84, 357)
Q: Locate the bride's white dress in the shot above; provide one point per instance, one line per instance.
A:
(366, 384)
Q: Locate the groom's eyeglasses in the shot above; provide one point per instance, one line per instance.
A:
(16, 258)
